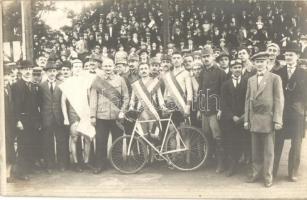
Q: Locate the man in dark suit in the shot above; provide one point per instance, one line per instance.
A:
(27, 115)
(52, 120)
(294, 84)
(232, 106)
(264, 106)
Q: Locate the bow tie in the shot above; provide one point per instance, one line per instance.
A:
(260, 74)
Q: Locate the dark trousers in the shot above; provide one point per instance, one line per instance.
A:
(27, 149)
(103, 128)
(55, 131)
(294, 130)
(234, 141)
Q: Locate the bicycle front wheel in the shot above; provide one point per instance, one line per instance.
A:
(195, 153)
(128, 162)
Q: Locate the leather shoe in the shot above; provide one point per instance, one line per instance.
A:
(23, 177)
(251, 179)
(97, 170)
(293, 178)
(268, 184)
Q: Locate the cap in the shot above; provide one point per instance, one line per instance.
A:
(236, 62)
(51, 65)
(93, 58)
(263, 55)
(24, 64)
(134, 57)
(143, 51)
(223, 54)
(243, 47)
(166, 57)
(66, 64)
(272, 45)
(121, 61)
(207, 50)
(154, 60)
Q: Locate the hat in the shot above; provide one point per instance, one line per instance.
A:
(165, 57)
(176, 52)
(51, 65)
(37, 71)
(154, 60)
(8, 67)
(170, 45)
(134, 57)
(243, 47)
(292, 47)
(76, 61)
(66, 64)
(207, 50)
(121, 61)
(24, 64)
(272, 45)
(236, 62)
(223, 54)
(197, 53)
(93, 58)
(263, 55)
(143, 51)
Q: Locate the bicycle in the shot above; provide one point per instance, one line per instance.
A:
(185, 148)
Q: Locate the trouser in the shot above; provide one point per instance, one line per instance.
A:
(27, 149)
(293, 129)
(263, 154)
(233, 140)
(51, 134)
(103, 127)
(294, 157)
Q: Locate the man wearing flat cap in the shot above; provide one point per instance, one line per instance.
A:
(210, 85)
(154, 67)
(294, 85)
(120, 66)
(52, 120)
(27, 116)
(232, 106)
(264, 106)
(166, 63)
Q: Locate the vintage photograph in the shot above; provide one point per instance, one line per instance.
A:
(154, 99)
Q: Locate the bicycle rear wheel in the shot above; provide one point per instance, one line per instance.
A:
(197, 148)
(131, 162)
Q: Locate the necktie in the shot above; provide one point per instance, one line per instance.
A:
(289, 72)
(51, 88)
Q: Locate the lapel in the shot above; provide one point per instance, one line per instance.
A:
(45, 86)
(262, 84)
(294, 74)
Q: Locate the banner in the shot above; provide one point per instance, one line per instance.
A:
(76, 91)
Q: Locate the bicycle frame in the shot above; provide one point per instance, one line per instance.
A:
(160, 152)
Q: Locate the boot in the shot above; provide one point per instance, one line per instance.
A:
(219, 157)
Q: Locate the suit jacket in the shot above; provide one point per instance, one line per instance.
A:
(233, 99)
(50, 105)
(295, 101)
(26, 104)
(264, 104)
(294, 89)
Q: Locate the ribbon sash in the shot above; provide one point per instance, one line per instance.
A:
(175, 89)
(108, 91)
(145, 95)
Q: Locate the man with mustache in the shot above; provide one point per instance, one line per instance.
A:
(108, 99)
(264, 105)
(27, 118)
(147, 96)
(132, 75)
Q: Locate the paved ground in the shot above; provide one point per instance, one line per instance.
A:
(159, 181)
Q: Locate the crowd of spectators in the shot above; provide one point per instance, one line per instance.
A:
(138, 24)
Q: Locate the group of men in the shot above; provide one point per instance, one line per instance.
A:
(245, 106)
